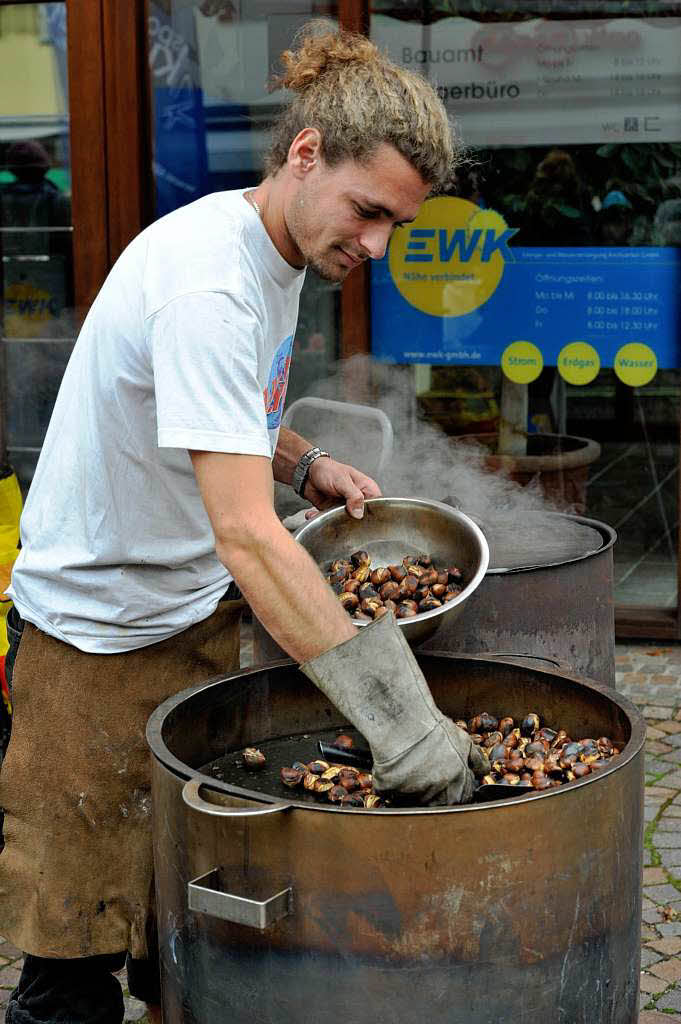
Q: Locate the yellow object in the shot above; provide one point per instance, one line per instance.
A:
(10, 513)
(635, 364)
(578, 363)
(450, 260)
(522, 362)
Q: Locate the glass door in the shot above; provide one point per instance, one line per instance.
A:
(36, 251)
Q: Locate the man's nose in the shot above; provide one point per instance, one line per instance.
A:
(374, 240)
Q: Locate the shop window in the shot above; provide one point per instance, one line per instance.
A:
(36, 279)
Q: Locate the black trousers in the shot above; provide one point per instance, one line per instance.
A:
(82, 990)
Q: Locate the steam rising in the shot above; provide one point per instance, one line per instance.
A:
(426, 463)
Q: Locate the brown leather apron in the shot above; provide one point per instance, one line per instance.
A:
(76, 875)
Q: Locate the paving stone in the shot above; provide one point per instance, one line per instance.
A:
(647, 858)
(5, 993)
(649, 935)
(9, 976)
(669, 970)
(660, 793)
(669, 727)
(658, 713)
(666, 928)
(652, 985)
(667, 947)
(654, 876)
(675, 740)
(670, 858)
(670, 824)
(667, 840)
(673, 780)
(8, 950)
(134, 1009)
(649, 957)
(654, 734)
(652, 915)
(662, 893)
(657, 748)
(674, 809)
(670, 1000)
(650, 812)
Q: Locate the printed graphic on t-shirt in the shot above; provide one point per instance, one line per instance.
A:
(275, 392)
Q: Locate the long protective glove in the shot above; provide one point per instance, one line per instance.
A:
(375, 682)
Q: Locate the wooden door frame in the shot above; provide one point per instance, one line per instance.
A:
(110, 133)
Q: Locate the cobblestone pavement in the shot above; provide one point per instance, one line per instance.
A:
(650, 675)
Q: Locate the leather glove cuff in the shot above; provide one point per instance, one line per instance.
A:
(375, 682)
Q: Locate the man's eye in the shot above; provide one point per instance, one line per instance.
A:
(367, 214)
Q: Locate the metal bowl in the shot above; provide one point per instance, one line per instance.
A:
(395, 527)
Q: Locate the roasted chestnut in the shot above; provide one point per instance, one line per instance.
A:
(318, 767)
(360, 558)
(506, 725)
(406, 610)
(361, 573)
(348, 600)
(343, 742)
(253, 758)
(291, 777)
(389, 591)
(371, 800)
(398, 572)
(380, 576)
(529, 725)
(371, 605)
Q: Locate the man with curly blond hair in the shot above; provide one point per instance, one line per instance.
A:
(151, 512)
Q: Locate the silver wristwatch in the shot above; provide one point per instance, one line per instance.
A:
(301, 472)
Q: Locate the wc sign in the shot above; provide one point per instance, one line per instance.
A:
(451, 259)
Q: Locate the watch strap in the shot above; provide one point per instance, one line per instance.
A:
(302, 470)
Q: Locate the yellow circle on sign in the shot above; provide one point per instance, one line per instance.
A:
(635, 364)
(522, 362)
(449, 261)
(578, 362)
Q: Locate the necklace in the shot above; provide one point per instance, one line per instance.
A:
(254, 203)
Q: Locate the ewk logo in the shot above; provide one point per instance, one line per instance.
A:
(425, 244)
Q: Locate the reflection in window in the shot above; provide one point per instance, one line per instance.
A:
(36, 282)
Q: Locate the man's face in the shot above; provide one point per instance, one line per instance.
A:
(339, 216)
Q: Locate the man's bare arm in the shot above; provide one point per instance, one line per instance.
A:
(277, 577)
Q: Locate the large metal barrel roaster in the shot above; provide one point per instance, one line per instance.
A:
(277, 911)
(562, 609)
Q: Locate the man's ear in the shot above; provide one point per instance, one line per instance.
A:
(305, 152)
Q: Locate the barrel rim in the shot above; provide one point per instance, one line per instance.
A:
(154, 736)
(607, 532)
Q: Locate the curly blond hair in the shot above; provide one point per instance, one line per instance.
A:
(357, 98)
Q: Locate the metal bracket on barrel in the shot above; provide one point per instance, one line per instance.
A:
(206, 897)
(204, 893)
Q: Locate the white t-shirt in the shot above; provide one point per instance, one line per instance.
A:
(187, 346)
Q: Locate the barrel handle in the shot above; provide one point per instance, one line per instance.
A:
(206, 897)
(192, 797)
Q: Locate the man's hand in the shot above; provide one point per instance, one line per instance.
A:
(330, 482)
